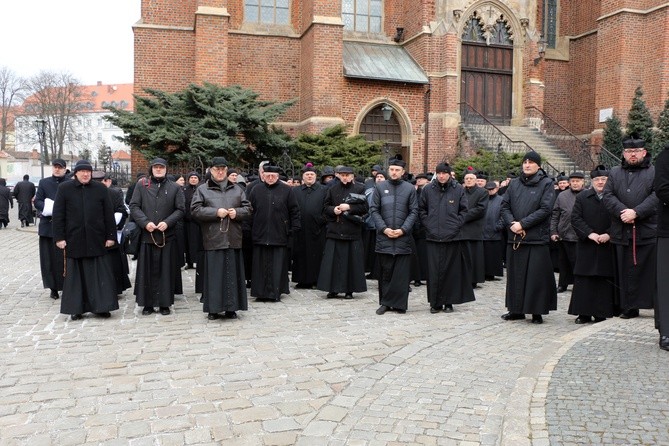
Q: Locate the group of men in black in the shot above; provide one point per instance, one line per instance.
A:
(333, 232)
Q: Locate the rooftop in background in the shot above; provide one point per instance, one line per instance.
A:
(115, 95)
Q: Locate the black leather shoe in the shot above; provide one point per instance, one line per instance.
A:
(513, 316)
(599, 319)
(401, 311)
(448, 308)
(434, 310)
(303, 286)
(561, 289)
(147, 311)
(76, 317)
(54, 294)
(248, 284)
(537, 319)
(664, 342)
(331, 295)
(165, 311)
(213, 316)
(417, 283)
(23, 225)
(348, 296)
(230, 315)
(629, 314)
(381, 310)
(105, 314)
(583, 320)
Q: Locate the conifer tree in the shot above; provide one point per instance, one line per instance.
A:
(613, 136)
(661, 138)
(639, 122)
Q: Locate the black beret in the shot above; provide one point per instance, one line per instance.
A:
(599, 171)
(562, 177)
(422, 175)
(397, 162)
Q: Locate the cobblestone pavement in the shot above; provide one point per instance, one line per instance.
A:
(315, 371)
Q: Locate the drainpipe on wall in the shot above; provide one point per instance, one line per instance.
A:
(426, 140)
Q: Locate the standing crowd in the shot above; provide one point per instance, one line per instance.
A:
(609, 241)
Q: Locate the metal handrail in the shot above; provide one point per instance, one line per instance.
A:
(581, 152)
(495, 139)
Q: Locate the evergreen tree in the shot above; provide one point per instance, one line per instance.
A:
(495, 164)
(613, 136)
(194, 125)
(661, 138)
(333, 147)
(639, 122)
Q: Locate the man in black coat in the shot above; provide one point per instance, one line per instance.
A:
(6, 201)
(309, 241)
(593, 293)
(632, 206)
(472, 231)
(24, 191)
(276, 216)
(192, 234)
(442, 209)
(50, 256)
(343, 268)
(493, 234)
(661, 186)
(157, 205)
(394, 210)
(83, 226)
(526, 211)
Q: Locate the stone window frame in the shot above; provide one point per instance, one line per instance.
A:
(362, 10)
(275, 5)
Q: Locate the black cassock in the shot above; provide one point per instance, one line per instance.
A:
(309, 241)
(449, 273)
(594, 269)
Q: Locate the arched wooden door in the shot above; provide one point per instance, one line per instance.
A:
(487, 69)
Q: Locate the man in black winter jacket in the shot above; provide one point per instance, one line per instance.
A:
(394, 210)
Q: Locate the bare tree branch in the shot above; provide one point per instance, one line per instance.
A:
(12, 89)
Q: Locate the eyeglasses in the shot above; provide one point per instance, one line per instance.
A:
(633, 150)
(218, 168)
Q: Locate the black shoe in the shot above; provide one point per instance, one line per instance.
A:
(331, 295)
(248, 284)
(105, 314)
(400, 311)
(434, 310)
(369, 276)
(537, 319)
(629, 314)
(664, 342)
(513, 316)
(410, 290)
(561, 289)
(230, 315)
(417, 283)
(54, 294)
(348, 296)
(23, 225)
(147, 311)
(303, 286)
(76, 317)
(165, 311)
(599, 319)
(213, 316)
(381, 310)
(583, 320)
(448, 308)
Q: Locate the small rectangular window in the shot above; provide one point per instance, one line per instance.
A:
(273, 12)
(365, 16)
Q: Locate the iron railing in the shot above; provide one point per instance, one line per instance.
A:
(581, 152)
(490, 137)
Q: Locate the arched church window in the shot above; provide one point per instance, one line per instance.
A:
(375, 128)
(362, 15)
(473, 31)
(276, 12)
(550, 22)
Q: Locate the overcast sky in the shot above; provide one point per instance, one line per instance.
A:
(91, 39)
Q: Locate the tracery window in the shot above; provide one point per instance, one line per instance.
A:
(362, 15)
(550, 22)
(276, 12)
(497, 34)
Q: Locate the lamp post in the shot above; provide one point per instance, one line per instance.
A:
(40, 126)
(387, 111)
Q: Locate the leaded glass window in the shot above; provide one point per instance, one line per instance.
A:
(362, 15)
(267, 11)
(473, 32)
(550, 22)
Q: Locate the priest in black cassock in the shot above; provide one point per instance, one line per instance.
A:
(276, 216)
(309, 241)
(343, 266)
(83, 226)
(661, 186)
(472, 230)
(593, 293)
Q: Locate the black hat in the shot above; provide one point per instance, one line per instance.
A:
(421, 175)
(377, 167)
(382, 172)
(98, 175)
(468, 171)
(231, 171)
(599, 171)
(490, 185)
(194, 174)
(59, 162)
(562, 177)
(481, 176)
(512, 174)
(443, 167)
(159, 162)
(532, 156)
(82, 165)
(397, 162)
(634, 143)
(328, 171)
(268, 168)
(219, 161)
(580, 175)
(344, 169)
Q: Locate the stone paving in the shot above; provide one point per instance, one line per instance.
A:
(316, 371)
